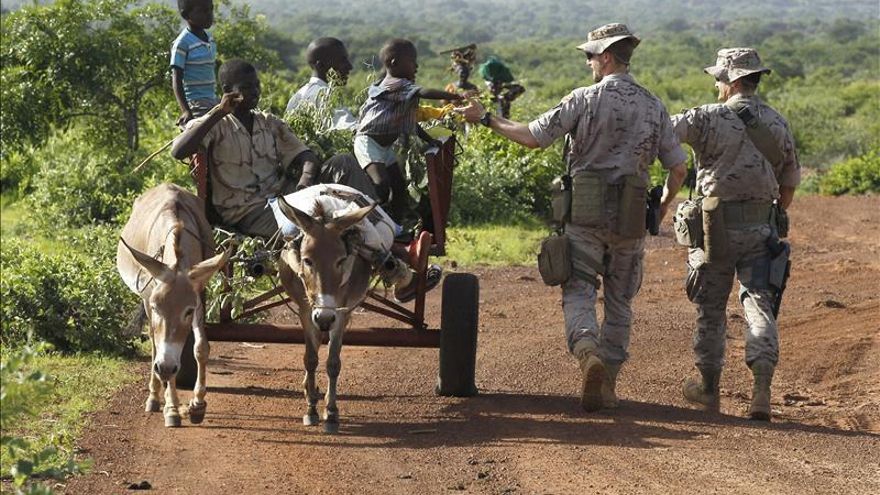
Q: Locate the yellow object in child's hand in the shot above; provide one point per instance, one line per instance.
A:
(427, 112)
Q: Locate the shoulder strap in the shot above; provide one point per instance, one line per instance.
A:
(758, 132)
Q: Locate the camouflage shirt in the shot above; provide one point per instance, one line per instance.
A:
(729, 166)
(612, 125)
(248, 169)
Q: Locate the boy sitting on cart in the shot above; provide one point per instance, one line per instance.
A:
(253, 156)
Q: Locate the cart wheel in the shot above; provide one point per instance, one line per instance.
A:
(186, 375)
(458, 335)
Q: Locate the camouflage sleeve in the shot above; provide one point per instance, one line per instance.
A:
(286, 142)
(670, 152)
(687, 126)
(790, 173)
(559, 120)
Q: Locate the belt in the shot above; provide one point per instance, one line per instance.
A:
(740, 214)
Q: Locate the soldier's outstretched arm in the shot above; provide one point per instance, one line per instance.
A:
(515, 131)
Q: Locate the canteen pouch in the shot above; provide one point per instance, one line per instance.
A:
(688, 223)
(554, 260)
(631, 208)
(714, 231)
(560, 201)
(588, 199)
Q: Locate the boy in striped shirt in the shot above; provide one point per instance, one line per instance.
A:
(193, 56)
(388, 114)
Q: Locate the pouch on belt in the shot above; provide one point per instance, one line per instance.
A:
(588, 199)
(688, 223)
(714, 231)
(554, 260)
(631, 208)
(560, 201)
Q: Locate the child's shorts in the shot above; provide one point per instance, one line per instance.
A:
(201, 106)
(368, 151)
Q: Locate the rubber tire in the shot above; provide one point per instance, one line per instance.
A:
(459, 322)
(188, 372)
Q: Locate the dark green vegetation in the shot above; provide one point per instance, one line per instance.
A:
(85, 96)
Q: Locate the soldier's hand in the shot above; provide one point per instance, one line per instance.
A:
(230, 101)
(472, 112)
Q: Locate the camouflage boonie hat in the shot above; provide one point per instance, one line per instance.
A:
(734, 63)
(604, 36)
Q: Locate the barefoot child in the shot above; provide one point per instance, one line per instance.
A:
(193, 56)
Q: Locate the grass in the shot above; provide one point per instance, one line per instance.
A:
(81, 384)
(494, 245)
(14, 223)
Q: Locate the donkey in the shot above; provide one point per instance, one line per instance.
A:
(163, 257)
(327, 277)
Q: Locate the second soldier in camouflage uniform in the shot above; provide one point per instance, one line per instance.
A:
(746, 172)
(614, 130)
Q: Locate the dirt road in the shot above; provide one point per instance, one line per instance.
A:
(525, 432)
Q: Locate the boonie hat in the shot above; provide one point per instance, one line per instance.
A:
(604, 36)
(734, 63)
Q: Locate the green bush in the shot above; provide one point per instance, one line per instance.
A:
(73, 299)
(859, 175)
(78, 184)
(23, 391)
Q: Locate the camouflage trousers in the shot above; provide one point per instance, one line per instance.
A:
(708, 286)
(594, 250)
(339, 169)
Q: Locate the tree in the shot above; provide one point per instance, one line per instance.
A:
(99, 59)
(95, 59)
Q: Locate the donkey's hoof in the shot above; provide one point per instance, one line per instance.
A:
(197, 411)
(152, 405)
(331, 427)
(311, 420)
(172, 421)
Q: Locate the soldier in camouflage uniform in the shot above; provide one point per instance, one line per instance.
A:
(253, 155)
(747, 173)
(614, 130)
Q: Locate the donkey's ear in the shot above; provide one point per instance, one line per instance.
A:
(201, 273)
(157, 269)
(302, 219)
(351, 218)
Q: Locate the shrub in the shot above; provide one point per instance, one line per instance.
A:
(23, 390)
(78, 185)
(859, 175)
(73, 299)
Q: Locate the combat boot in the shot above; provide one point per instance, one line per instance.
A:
(593, 375)
(704, 392)
(609, 397)
(762, 370)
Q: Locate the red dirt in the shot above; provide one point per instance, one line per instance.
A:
(525, 432)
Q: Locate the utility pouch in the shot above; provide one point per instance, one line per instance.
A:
(714, 230)
(780, 266)
(780, 220)
(688, 223)
(554, 260)
(631, 208)
(652, 210)
(588, 199)
(560, 201)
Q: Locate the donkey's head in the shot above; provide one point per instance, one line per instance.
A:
(325, 259)
(172, 305)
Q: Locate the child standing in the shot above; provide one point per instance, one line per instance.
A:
(388, 114)
(193, 56)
